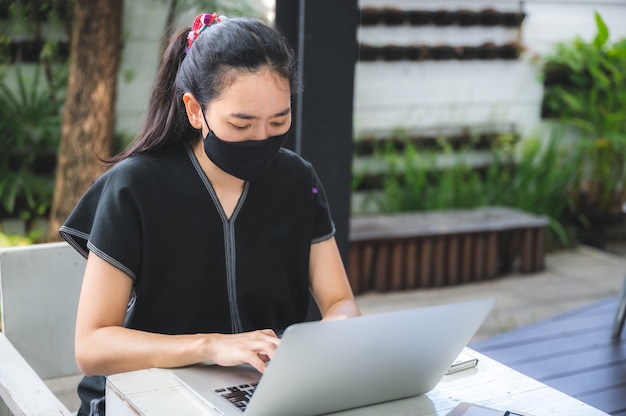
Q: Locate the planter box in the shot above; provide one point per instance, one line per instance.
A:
(430, 249)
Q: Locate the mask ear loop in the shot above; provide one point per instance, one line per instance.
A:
(206, 122)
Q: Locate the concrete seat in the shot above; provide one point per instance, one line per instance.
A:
(39, 290)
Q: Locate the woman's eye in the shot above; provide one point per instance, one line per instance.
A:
(278, 124)
(240, 127)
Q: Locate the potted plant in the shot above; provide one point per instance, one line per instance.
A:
(444, 17)
(585, 89)
(490, 17)
(468, 17)
(420, 17)
(393, 16)
(513, 19)
(371, 16)
(488, 50)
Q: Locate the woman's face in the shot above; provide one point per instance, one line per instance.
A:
(255, 106)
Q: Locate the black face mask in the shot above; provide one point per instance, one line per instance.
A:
(246, 160)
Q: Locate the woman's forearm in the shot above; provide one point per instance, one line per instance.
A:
(346, 308)
(114, 349)
(111, 350)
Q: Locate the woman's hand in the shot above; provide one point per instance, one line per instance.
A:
(254, 348)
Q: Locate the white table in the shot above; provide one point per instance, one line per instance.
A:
(158, 392)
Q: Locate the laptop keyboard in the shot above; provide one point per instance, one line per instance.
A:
(238, 396)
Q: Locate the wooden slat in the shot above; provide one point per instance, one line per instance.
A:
(507, 247)
(368, 267)
(610, 400)
(355, 269)
(397, 265)
(577, 321)
(522, 350)
(425, 262)
(526, 251)
(479, 256)
(559, 365)
(466, 263)
(411, 263)
(491, 256)
(381, 282)
(538, 243)
(439, 261)
(576, 384)
(453, 266)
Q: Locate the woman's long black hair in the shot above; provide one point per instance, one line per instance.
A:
(222, 51)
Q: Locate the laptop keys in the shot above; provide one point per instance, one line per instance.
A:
(238, 396)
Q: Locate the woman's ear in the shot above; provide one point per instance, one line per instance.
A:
(194, 110)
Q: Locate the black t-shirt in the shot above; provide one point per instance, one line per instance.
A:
(157, 218)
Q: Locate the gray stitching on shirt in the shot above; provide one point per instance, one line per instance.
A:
(324, 237)
(231, 279)
(229, 241)
(111, 260)
(69, 234)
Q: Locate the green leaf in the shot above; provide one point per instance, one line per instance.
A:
(9, 200)
(603, 31)
(574, 102)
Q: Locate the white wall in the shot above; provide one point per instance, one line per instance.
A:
(554, 21)
(427, 95)
(144, 23)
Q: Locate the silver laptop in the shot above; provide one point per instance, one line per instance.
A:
(324, 367)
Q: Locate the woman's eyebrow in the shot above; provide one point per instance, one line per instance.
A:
(283, 113)
(245, 116)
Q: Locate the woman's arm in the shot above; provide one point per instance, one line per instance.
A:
(103, 346)
(329, 282)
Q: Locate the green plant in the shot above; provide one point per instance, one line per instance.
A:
(538, 181)
(13, 240)
(30, 129)
(533, 175)
(585, 88)
(420, 179)
(406, 171)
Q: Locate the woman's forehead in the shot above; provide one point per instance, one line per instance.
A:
(255, 92)
(263, 76)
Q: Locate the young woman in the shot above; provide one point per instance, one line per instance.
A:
(205, 237)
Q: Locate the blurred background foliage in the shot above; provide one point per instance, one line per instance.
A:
(34, 56)
(572, 174)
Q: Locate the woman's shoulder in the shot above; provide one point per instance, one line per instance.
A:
(291, 170)
(141, 167)
(291, 160)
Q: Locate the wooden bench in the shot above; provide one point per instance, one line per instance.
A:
(427, 249)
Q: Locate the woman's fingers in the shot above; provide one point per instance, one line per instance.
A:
(254, 348)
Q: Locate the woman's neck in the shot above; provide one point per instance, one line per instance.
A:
(227, 187)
